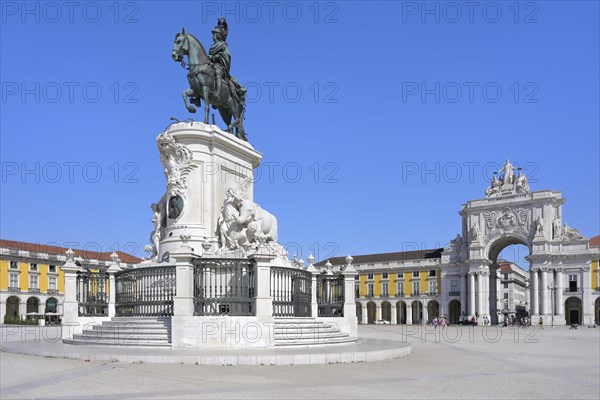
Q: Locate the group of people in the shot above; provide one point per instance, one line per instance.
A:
(442, 321)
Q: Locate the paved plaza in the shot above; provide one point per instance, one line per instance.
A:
(460, 362)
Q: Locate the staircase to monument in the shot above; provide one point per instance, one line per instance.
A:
(308, 332)
(127, 331)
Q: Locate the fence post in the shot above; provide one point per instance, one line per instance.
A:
(349, 299)
(70, 319)
(112, 292)
(183, 301)
(314, 306)
(262, 283)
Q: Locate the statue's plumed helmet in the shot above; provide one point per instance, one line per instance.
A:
(221, 29)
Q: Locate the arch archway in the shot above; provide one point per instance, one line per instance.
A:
(51, 305)
(371, 312)
(401, 312)
(12, 306)
(417, 312)
(433, 309)
(454, 311)
(573, 311)
(597, 311)
(33, 305)
(386, 311)
(508, 287)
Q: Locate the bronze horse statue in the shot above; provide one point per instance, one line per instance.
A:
(202, 79)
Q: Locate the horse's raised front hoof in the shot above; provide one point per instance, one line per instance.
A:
(191, 109)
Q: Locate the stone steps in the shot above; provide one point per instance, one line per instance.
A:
(307, 332)
(127, 331)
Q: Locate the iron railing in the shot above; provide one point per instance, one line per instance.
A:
(145, 292)
(291, 290)
(92, 293)
(330, 295)
(224, 286)
(454, 293)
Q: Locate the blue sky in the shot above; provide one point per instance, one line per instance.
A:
(376, 120)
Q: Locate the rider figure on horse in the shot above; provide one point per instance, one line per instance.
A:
(221, 60)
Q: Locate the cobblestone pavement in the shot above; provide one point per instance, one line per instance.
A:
(456, 363)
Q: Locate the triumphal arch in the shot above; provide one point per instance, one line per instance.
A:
(560, 287)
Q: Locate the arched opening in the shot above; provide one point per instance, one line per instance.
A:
(401, 312)
(454, 312)
(371, 312)
(433, 310)
(51, 305)
(417, 312)
(509, 296)
(386, 311)
(597, 311)
(573, 310)
(12, 307)
(359, 312)
(33, 305)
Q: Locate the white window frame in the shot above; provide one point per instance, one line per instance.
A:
(33, 267)
(385, 290)
(34, 281)
(400, 287)
(416, 287)
(432, 286)
(13, 265)
(454, 285)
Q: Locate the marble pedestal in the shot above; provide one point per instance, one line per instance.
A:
(201, 162)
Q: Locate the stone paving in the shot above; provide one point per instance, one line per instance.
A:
(457, 363)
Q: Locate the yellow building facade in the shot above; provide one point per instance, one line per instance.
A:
(32, 282)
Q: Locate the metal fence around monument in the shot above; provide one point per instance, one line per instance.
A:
(330, 295)
(291, 290)
(92, 293)
(224, 287)
(145, 292)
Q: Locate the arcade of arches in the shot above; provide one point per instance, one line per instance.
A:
(468, 279)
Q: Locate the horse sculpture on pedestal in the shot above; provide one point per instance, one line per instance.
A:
(202, 79)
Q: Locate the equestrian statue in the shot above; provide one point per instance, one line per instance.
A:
(210, 79)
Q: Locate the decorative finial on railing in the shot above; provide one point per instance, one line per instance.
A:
(311, 261)
(301, 263)
(328, 268)
(115, 258)
(70, 254)
(348, 267)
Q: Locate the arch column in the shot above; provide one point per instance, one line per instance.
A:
(472, 293)
(364, 315)
(479, 296)
(424, 313)
(544, 303)
(377, 311)
(22, 307)
(485, 293)
(409, 320)
(587, 306)
(559, 308)
(463, 294)
(534, 291)
(393, 317)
